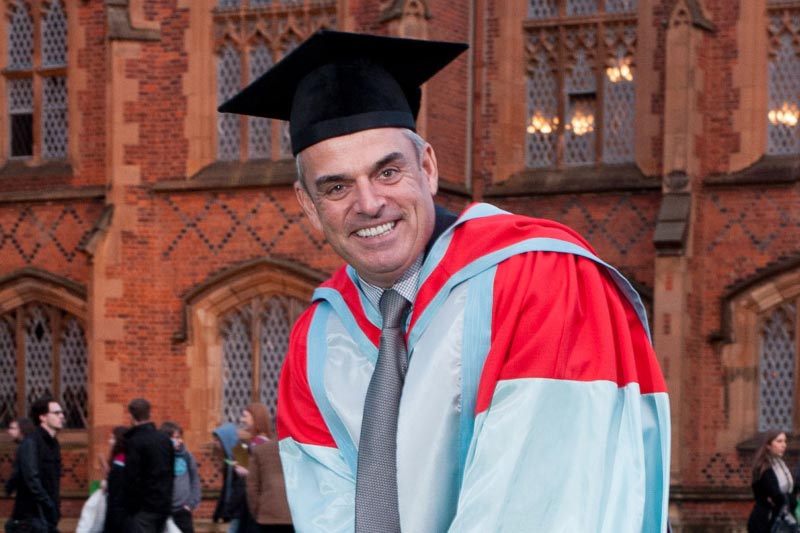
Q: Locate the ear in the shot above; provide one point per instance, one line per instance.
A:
(308, 206)
(430, 168)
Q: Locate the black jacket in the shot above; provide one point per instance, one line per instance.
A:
(116, 517)
(38, 485)
(149, 470)
(769, 503)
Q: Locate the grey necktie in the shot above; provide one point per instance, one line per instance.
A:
(376, 478)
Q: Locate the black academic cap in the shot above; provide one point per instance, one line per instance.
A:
(337, 83)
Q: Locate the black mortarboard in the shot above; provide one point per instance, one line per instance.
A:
(337, 83)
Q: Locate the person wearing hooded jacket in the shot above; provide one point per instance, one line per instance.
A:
(231, 501)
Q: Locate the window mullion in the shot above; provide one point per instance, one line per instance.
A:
(255, 335)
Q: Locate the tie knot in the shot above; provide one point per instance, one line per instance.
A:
(393, 308)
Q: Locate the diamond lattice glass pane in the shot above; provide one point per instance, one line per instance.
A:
(580, 87)
(784, 99)
(618, 109)
(777, 370)
(581, 7)
(259, 142)
(8, 373)
(274, 342)
(54, 36)
(54, 117)
(72, 353)
(20, 96)
(38, 353)
(621, 6)
(542, 9)
(237, 354)
(542, 119)
(229, 80)
(226, 4)
(20, 38)
(285, 148)
(260, 3)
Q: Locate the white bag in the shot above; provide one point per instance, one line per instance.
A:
(170, 527)
(93, 514)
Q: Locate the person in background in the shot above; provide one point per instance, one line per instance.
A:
(186, 486)
(148, 473)
(18, 429)
(772, 485)
(266, 492)
(115, 521)
(38, 504)
(231, 502)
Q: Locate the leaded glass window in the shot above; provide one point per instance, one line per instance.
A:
(777, 369)
(36, 78)
(229, 75)
(260, 138)
(580, 82)
(54, 36)
(8, 371)
(251, 35)
(45, 347)
(255, 338)
(783, 107)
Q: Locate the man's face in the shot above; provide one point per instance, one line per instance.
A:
(372, 197)
(177, 440)
(54, 419)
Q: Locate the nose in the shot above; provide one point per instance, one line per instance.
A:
(369, 201)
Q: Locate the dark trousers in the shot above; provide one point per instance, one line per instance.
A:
(183, 519)
(147, 522)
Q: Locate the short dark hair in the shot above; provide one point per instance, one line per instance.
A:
(139, 408)
(26, 425)
(40, 407)
(170, 428)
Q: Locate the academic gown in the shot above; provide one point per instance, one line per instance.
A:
(533, 400)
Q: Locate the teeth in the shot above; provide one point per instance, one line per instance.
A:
(375, 231)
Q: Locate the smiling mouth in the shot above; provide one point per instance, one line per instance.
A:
(375, 231)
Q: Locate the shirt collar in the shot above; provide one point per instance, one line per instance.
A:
(406, 285)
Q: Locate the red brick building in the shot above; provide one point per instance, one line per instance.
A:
(150, 247)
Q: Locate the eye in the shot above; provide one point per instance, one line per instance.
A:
(390, 174)
(335, 190)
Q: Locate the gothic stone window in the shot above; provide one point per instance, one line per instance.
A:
(42, 351)
(580, 82)
(783, 131)
(255, 338)
(779, 341)
(35, 72)
(250, 37)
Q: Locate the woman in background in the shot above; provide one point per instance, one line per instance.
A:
(772, 485)
(17, 430)
(266, 493)
(115, 507)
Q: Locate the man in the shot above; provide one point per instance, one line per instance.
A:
(37, 505)
(520, 392)
(148, 473)
(186, 484)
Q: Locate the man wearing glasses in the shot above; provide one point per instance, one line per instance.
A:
(36, 507)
